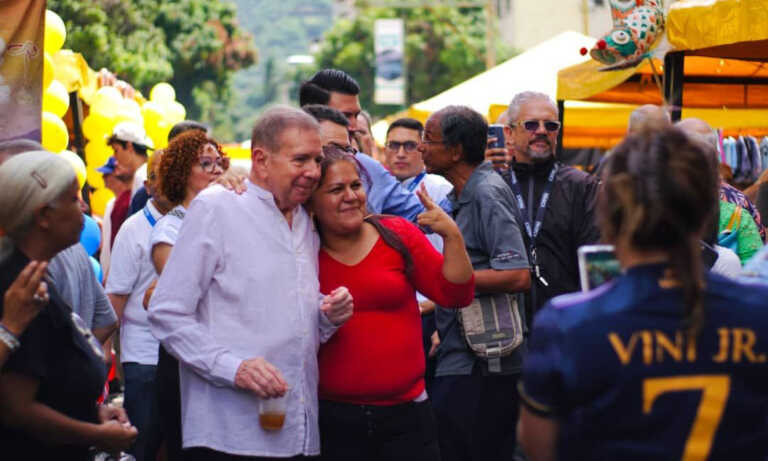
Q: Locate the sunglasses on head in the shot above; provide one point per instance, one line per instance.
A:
(409, 146)
(533, 125)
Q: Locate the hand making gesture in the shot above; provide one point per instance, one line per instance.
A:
(434, 217)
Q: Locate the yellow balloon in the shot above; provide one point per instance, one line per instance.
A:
(162, 92)
(153, 113)
(128, 110)
(159, 133)
(55, 32)
(77, 164)
(56, 99)
(95, 179)
(99, 200)
(106, 102)
(175, 112)
(97, 152)
(98, 127)
(55, 135)
(47, 70)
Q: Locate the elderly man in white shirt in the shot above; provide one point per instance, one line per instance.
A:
(239, 305)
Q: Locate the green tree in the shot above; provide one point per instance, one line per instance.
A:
(443, 47)
(280, 29)
(196, 45)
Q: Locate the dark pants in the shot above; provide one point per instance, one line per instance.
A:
(139, 399)
(206, 454)
(476, 416)
(378, 433)
(168, 405)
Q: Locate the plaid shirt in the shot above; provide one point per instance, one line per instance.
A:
(730, 194)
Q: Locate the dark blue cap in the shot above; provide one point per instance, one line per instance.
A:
(109, 167)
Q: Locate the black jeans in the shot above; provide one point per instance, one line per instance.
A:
(206, 454)
(477, 416)
(378, 433)
(167, 409)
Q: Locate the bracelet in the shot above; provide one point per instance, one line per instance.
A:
(8, 338)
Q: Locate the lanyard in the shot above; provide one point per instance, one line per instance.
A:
(150, 218)
(533, 229)
(416, 181)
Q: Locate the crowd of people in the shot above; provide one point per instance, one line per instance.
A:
(425, 306)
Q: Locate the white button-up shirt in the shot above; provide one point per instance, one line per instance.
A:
(241, 283)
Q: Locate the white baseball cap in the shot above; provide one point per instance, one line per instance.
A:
(131, 132)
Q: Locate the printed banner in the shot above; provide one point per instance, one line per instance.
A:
(21, 68)
(389, 46)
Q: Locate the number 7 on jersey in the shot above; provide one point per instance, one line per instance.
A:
(714, 394)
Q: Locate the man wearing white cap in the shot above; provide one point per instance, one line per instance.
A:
(130, 143)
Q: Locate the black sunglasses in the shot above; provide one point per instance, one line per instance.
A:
(533, 125)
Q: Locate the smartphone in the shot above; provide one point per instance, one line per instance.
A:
(597, 265)
(496, 131)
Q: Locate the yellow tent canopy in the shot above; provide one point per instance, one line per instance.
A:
(721, 28)
(725, 82)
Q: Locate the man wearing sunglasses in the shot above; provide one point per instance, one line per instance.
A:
(556, 202)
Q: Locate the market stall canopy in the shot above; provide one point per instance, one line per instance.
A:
(735, 29)
(725, 82)
(709, 82)
(724, 42)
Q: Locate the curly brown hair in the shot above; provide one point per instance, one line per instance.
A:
(178, 160)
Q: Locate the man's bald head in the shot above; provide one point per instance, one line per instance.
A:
(698, 129)
(648, 117)
(694, 125)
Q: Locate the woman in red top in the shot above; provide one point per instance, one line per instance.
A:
(373, 405)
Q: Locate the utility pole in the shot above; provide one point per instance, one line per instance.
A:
(585, 16)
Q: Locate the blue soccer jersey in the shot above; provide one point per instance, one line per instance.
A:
(615, 368)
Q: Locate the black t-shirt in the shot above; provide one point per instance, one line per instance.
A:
(569, 222)
(56, 351)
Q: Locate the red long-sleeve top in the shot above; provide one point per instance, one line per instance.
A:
(376, 357)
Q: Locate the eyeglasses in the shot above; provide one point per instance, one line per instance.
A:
(209, 165)
(533, 125)
(409, 146)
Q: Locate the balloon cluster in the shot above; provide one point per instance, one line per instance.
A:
(55, 136)
(113, 103)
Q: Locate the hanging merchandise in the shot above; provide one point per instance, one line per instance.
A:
(764, 152)
(746, 156)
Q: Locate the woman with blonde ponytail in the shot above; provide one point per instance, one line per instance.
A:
(667, 361)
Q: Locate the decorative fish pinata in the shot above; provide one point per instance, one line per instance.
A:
(637, 26)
